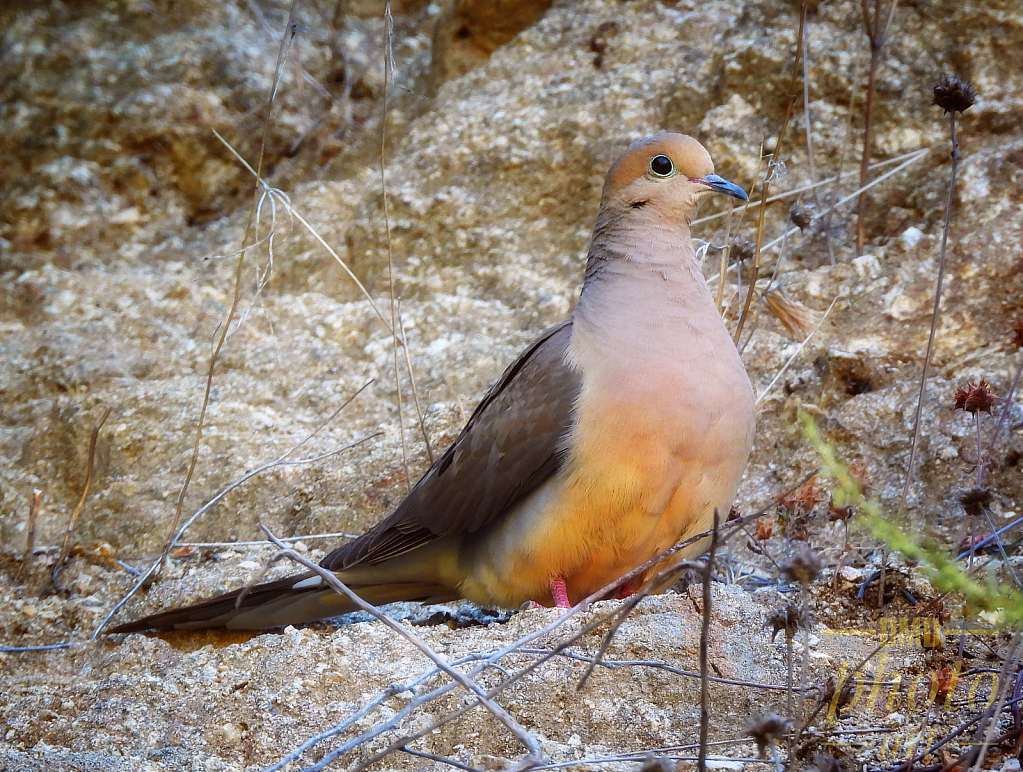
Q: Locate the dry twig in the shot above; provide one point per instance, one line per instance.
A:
(65, 545)
(877, 33)
(708, 577)
(534, 755)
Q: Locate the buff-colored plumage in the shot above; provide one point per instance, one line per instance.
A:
(613, 436)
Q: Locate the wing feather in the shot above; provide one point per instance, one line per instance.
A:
(512, 443)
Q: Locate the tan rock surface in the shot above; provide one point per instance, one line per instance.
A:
(121, 214)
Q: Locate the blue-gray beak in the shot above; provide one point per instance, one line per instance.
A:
(721, 185)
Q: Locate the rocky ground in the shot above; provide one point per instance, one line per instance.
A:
(121, 219)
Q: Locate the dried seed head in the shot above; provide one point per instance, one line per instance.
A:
(802, 216)
(768, 730)
(798, 320)
(1017, 335)
(802, 567)
(975, 398)
(953, 95)
(733, 514)
(742, 250)
(803, 499)
(788, 619)
(797, 530)
(837, 513)
(975, 500)
(763, 530)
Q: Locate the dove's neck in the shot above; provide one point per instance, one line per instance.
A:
(644, 296)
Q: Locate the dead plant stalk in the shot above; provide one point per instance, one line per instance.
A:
(225, 327)
(935, 315)
(708, 576)
(66, 544)
(877, 34)
(772, 168)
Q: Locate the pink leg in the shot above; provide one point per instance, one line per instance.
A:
(559, 591)
(627, 589)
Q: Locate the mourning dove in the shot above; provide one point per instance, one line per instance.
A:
(613, 436)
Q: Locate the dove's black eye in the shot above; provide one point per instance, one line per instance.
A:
(661, 166)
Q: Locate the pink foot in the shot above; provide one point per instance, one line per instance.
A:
(559, 591)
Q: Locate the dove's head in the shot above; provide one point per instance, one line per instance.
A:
(664, 175)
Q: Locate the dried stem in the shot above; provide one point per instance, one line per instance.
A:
(388, 28)
(771, 169)
(412, 383)
(708, 576)
(1002, 417)
(280, 461)
(877, 34)
(802, 189)
(519, 644)
(597, 659)
(807, 130)
(795, 354)
(30, 537)
(723, 267)
(980, 450)
(33, 519)
(910, 159)
(804, 612)
(1007, 667)
(935, 315)
(286, 204)
(789, 686)
(998, 543)
(530, 743)
(93, 439)
(225, 328)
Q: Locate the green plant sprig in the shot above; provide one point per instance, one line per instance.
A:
(941, 570)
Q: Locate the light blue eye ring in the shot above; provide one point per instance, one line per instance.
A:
(661, 166)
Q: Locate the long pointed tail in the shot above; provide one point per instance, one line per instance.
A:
(291, 601)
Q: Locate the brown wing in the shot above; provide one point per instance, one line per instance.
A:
(511, 444)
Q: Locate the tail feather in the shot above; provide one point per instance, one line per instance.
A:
(290, 601)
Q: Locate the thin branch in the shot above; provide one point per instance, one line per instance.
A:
(33, 518)
(913, 158)
(935, 315)
(412, 383)
(772, 169)
(466, 682)
(65, 545)
(282, 53)
(491, 660)
(1002, 417)
(1008, 667)
(309, 229)
(804, 188)
(708, 577)
(280, 461)
(808, 132)
(440, 759)
(877, 35)
(263, 542)
(796, 353)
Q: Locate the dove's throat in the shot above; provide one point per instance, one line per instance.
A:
(646, 303)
